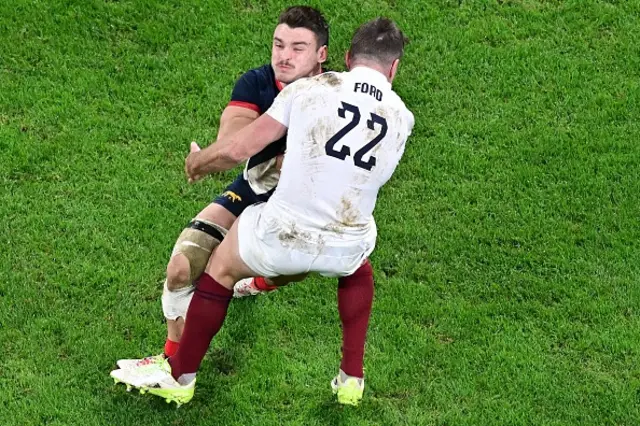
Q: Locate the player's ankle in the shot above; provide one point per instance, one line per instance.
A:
(352, 368)
(344, 376)
(170, 347)
(185, 379)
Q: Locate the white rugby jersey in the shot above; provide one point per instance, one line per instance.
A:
(346, 135)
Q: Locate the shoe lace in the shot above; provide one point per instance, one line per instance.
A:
(147, 360)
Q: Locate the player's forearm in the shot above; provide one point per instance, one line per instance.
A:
(226, 154)
(215, 158)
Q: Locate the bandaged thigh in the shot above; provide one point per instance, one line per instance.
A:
(196, 243)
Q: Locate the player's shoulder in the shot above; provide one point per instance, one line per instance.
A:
(328, 80)
(328, 77)
(262, 76)
(397, 104)
(313, 84)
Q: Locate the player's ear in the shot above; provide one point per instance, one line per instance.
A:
(322, 54)
(347, 59)
(394, 69)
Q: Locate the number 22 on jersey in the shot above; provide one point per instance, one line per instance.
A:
(345, 151)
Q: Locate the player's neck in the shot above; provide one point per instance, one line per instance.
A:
(372, 66)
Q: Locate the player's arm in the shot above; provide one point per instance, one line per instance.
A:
(228, 153)
(243, 107)
(233, 119)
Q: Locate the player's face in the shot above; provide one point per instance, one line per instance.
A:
(296, 54)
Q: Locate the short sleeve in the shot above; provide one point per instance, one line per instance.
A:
(246, 92)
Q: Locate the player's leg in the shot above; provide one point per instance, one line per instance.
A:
(182, 271)
(251, 248)
(188, 260)
(355, 298)
(174, 378)
(208, 309)
(349, 261)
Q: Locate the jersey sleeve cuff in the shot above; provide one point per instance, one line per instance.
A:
(247, 105)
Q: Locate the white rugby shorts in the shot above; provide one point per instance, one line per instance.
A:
(273, 247)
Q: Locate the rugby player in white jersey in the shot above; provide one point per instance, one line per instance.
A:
(346, 135)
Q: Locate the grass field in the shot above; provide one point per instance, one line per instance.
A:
(508, 260)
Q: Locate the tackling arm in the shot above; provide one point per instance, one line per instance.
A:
(230, 151)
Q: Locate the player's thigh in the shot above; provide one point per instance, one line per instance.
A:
(228, 206)
(200, 238)
(344, 260)
(217, 214)
(226, 262)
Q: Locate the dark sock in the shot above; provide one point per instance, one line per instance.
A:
(355, 298)
(205, 316)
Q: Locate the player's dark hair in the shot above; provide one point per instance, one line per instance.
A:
(380, 40)
(309, 18)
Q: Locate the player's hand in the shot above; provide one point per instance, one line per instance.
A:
(191, 162)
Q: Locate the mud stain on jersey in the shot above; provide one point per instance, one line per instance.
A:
(361, 178)
(311, 103)
(383, 112)
(394, 124)
(400, 141)
(330, 79)
(335, 229)
(348, 213)
(312, 148)
(316, 139)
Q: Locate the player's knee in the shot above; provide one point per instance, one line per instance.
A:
(191, 252)
(178, 272)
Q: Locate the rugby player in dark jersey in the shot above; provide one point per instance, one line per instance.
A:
(299, 49)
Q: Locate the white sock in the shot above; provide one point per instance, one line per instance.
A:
(185, 379)
(344, 376)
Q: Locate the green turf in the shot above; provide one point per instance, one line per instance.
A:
(508, 278)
